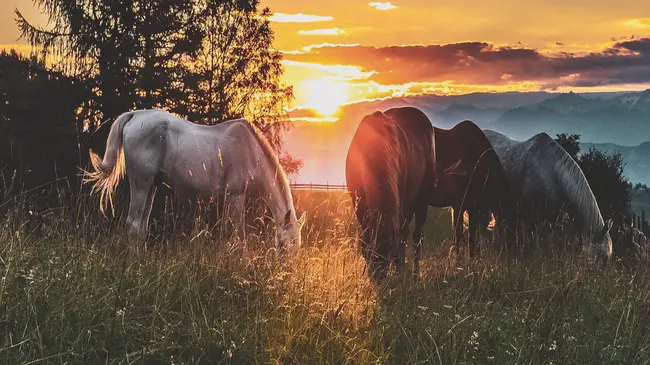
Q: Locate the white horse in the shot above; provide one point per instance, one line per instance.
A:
(547, 181)
(228, 162)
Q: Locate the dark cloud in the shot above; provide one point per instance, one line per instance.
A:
(483, 63)
(639, 45)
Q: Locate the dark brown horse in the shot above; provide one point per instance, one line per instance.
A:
(471, 179)
(389, 162)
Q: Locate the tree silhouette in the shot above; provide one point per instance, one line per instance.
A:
(604, 173)
(570, 143)
(640, 186)
(39, 110)
(129, 53)
(207, 61)
(236, 72)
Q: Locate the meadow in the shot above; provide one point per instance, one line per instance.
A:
(77, 293)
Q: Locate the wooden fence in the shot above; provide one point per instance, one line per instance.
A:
(311, 186)
(641, 223)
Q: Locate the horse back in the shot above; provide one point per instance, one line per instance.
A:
(468, 160)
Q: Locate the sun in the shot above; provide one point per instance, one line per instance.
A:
(325, 96)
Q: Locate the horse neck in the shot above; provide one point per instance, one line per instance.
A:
(582, 202)
(277, 194)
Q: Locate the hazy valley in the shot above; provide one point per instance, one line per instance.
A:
(610, 122)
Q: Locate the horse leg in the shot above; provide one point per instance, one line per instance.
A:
(420, 217)
(142, 192)
(403, 240)
(458, 228)
(235, 212)
(473, 230)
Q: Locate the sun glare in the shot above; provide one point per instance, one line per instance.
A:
(325, 96)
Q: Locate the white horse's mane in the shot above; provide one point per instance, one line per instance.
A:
(272, 157)
(570, 177)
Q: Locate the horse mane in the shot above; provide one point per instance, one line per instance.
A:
(415, 117)
(381, 156)
(569, 176)
(270, 155)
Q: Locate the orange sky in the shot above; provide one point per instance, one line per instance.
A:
(339, 51)
(363, 65)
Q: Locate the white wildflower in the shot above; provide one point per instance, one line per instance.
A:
(473, 340)
(31, 276)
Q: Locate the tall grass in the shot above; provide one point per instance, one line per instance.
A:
(73, 291)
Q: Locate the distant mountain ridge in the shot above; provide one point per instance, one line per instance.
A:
(608, 121)
(623, 120)
(637, 159)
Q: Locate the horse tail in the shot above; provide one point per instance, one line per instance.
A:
(109, 171)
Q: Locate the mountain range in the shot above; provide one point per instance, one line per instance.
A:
(609, 121)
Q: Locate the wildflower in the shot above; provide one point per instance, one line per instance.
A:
(473, 340)
(31, 276)
(553, 346)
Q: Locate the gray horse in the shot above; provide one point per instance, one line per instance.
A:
(228, 163)
(546, 182)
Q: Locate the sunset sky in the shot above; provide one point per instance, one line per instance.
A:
(340, 51)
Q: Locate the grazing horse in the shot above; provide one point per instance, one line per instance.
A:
(228, 162)
(471, 179)
(388, 162)
(546, 182)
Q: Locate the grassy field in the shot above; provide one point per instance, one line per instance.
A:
(77, 294)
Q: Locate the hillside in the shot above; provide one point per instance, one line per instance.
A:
(624, 120)
(615, 121)
(637, 159)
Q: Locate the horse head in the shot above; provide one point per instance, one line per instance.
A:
(601, 245)
(289, 231)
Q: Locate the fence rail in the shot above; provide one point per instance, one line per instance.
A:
(312, 186)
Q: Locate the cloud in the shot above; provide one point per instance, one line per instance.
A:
(342, 72)
(326, 31)
(380, 5)
(298, 18)
(641, 23)
(309, 48)
(481, 63)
